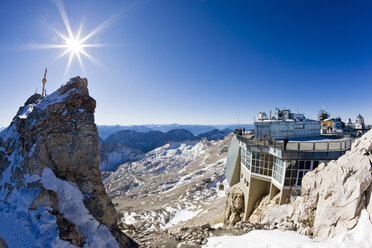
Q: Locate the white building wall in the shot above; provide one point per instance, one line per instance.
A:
(289, 128)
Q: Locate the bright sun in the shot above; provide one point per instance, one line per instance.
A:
(74, 45)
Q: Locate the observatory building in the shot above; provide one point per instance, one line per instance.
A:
(275, 159)
(285, 125)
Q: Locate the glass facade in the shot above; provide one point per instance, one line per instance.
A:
(246, 158)
(296, 170)
(262, 164)
(269, 165)
(291, 173)
(278, 171)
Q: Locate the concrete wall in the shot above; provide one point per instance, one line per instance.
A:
(273, 191)
(232, 169)
(285, 196)
(253, 188)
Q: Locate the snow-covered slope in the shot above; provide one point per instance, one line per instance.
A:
(172, 183)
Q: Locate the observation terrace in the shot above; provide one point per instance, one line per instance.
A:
(322, 147)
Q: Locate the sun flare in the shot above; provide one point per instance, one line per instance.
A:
(74, 45)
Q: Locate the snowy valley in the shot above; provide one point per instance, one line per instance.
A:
(171, 184)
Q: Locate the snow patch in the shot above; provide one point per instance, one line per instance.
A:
(217, 225)
(359, 237)
(72, 206)
(178, 216)
(53, 98)
(26, 111)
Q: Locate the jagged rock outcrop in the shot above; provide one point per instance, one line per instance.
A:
(49, 166)
(262, 206)
(234, 205)
(332, 195)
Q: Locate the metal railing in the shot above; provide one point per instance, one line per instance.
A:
(343, 144)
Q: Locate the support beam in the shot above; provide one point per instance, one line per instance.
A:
(257, 188)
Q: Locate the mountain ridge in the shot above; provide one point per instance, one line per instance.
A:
(106, 130)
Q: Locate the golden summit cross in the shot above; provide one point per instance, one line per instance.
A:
(44, 82)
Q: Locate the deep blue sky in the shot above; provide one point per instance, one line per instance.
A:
(196, 62)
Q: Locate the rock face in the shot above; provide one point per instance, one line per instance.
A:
(332, 195)
(49, 159)
(263, 205)
(234, 205)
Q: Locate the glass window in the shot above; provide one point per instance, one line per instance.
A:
(278, 169)
(262, 163)
(301, 165)
(315, 164)
(246, 158)
(291, 173)
(307, 165)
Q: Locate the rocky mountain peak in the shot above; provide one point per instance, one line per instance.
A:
(49, 160)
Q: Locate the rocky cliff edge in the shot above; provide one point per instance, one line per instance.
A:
(51, 192)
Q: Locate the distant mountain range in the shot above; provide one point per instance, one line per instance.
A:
(149, 140)
(106, 130)
(129, 145)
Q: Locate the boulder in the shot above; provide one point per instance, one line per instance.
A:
(234, 207)
(261, 207)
